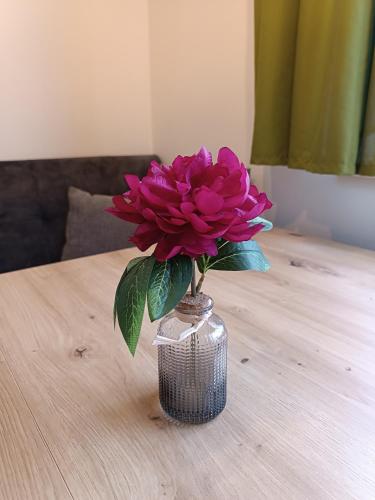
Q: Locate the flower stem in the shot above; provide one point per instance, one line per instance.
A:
(193, 280)
(200, 282)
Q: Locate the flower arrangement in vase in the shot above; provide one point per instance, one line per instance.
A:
(198, 214)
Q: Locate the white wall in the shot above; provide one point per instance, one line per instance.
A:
(332, 207)
(202, 93)
(74, 78)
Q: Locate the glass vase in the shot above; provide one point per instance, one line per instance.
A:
(192, 359)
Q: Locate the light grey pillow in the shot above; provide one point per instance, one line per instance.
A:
(91, 230)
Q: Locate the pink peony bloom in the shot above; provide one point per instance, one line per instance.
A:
(185, 207)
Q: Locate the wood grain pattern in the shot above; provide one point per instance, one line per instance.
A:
(300, 419)
(27, 468)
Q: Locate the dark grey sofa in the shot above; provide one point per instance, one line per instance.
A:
(34, 203)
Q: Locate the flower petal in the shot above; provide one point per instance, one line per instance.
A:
(134, 218)
(146, 235)
(207, 201)
(174, 211)
(187, 207)
(205, 156)
(166, 249)
(228, 158)
(132, 181)
(243, 234)
(198, 224)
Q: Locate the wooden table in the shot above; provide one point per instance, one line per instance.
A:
(79, 418)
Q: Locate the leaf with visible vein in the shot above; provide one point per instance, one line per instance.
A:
(158, 288)
(168, 283)
(130, 300)
(131, 264)
(134, 262)
(204, 260)
(246, 255)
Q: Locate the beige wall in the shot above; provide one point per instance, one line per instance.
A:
(74, 78)
(201, 63)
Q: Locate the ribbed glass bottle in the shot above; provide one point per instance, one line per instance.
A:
(193, 361)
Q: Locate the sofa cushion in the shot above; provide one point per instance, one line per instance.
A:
(90, 229)
(34, 202)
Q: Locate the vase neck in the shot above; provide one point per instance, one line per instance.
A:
(199, 306)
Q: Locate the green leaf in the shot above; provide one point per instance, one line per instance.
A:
(131, 297)
(158, 288)
(168, 283)
(267, 225)
(134, 262)
(245, 255)
(114, 312)
(131, 263)
(202, 262)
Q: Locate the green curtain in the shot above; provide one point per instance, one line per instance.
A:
(315, 85)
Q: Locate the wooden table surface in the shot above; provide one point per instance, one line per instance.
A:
(79, 418)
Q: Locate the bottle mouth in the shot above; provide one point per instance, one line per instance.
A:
(195, 306)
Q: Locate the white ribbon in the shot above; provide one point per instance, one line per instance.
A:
(196, 323)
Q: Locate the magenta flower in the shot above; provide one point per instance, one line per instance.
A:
(185, 207)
